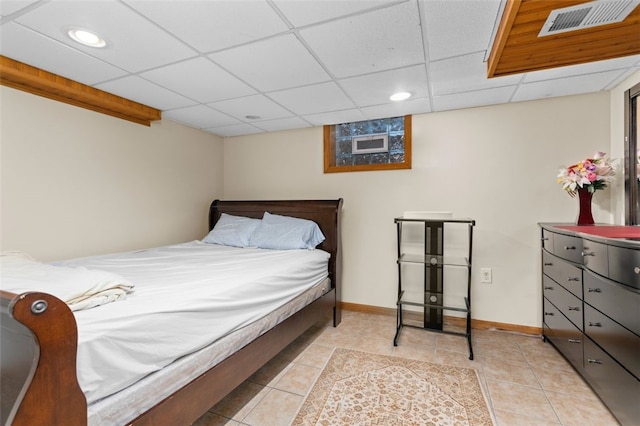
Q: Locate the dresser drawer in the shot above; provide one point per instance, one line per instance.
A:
(563, 334)
(562, 272)
(614, 385)
(547, 240)
(566, 302)
(567, 247)
(595, 257)
(619, 342)
(617, 301)
(624, 266)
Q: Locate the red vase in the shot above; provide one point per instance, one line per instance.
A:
(584, 215)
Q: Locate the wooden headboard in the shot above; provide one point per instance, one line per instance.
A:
(326, 213)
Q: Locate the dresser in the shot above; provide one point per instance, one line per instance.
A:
(591, 308)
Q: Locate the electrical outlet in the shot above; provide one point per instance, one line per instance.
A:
(485, 275)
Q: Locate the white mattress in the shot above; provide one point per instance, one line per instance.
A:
(186, 297)
(129, 403)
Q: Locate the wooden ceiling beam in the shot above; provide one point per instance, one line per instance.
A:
(518, 49)
(33, 80)
(504, 29)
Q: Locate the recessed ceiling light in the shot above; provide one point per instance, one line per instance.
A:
(400, 96)
(252, 117)
(86, 37)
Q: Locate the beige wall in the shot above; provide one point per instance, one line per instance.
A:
(76, 183)
(495, 164)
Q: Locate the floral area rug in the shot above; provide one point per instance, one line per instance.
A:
(359, 388)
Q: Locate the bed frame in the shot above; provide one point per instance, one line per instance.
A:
(39, 340)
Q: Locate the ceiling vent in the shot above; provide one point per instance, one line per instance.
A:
(587, 15)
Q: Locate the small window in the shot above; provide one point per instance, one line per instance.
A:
(381, 144)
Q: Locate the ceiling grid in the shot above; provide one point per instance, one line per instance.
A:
(235, 68)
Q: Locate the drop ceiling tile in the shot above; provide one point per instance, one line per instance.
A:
(140, 90)
(258, 105)
(133, 43)
(397, 109)
(586, 83)
(291, 50)
(8, 7)
(313, 99)
(498, 95)
(282, 124)
(588, 68)
(234, 130)
(375, 41)
(455, 28)
(273, 64)
(200, 117)
(199, 79)
(24, 45)
(375, 89)
(464, 73)
(335, 117)
(301, 13)
(213, 25)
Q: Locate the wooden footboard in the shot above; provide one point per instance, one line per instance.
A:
(39, 336)
(39, 345)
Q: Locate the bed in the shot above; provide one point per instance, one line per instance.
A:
(40, 343)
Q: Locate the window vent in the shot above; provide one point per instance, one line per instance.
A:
(587, 15)
(369, 144)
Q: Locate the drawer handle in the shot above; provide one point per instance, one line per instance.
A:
(573, 279)
(595, 324)
(574, 340)
(549, 314)
(594, 361)
(569, 247)
(545, 238)
(588, 253)
(548, 287)
(594, 290)
(636, 270)
(548, 264)
(574, 308)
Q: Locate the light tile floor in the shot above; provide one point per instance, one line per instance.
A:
(527, 382)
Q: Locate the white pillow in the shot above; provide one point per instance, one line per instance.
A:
(232, 231)
(286, 233)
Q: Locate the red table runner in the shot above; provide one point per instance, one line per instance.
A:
(606, 231)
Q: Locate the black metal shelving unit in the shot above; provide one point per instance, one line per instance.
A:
(434, 260)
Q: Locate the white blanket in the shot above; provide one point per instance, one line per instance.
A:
(79, 287)
(186, 296)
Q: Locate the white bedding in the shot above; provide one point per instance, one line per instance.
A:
(129, 403)
(186, 296)
(79, 287)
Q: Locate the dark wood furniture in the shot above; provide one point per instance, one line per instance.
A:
(591, 299)
(39, 340)
(433, 260)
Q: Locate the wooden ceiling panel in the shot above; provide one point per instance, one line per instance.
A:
(518, 49)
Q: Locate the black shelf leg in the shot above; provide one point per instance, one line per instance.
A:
(398, 324)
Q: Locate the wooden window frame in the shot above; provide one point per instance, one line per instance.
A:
(330, 153)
